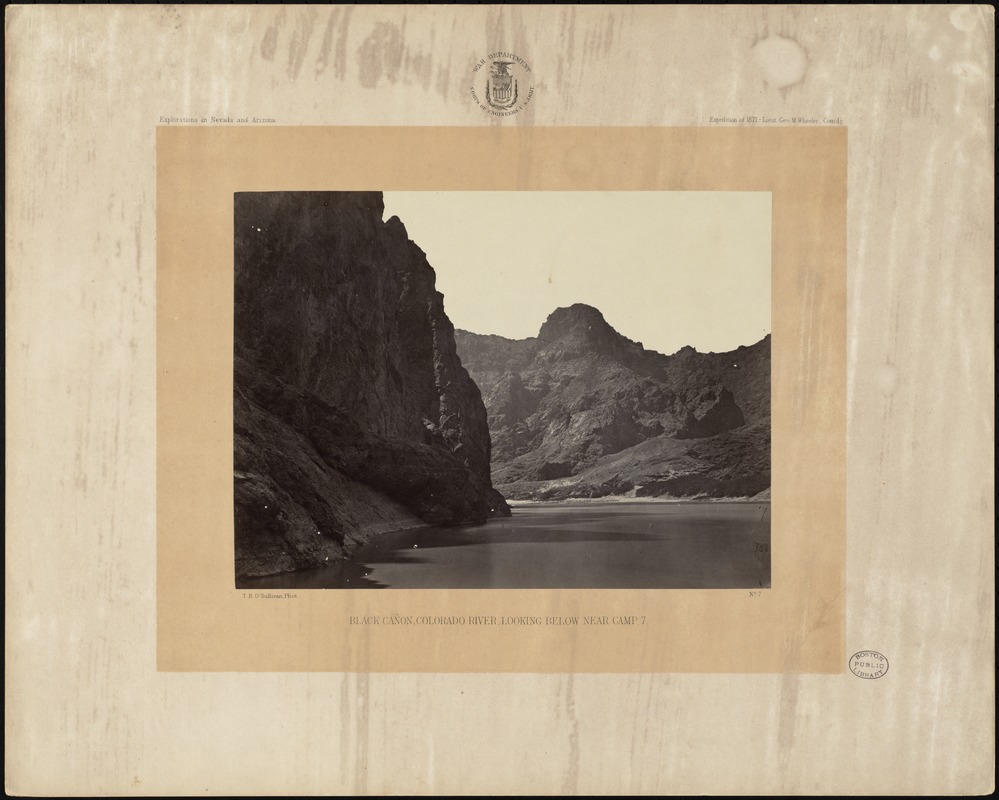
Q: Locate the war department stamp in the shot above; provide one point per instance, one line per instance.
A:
(503, 83)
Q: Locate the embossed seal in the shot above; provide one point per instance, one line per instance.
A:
(868, 664)
(503, 83)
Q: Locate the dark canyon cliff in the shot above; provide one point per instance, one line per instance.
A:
(353, 413)
(582, 411)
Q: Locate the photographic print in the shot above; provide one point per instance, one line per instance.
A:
(502, 390)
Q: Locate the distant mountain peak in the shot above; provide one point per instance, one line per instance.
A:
(583, 411)
(578, 317)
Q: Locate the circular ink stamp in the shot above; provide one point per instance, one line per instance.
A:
(502, 83)
(868, 664)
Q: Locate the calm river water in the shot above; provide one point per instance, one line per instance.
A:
(590, 545)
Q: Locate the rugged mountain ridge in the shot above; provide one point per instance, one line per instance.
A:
(583, 411)
(352, 411)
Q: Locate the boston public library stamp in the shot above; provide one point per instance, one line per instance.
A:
(868, 664)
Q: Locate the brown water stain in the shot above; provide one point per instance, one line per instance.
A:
(381, 55)
(787, 725)
(268, 45)
(571, 783)
(299, 44)
(340, 54)
(327, 44)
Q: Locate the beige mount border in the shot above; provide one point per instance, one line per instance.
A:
(205, 624)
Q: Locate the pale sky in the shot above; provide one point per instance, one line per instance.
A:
(667, 269)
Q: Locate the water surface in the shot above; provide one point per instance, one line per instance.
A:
(589, 545)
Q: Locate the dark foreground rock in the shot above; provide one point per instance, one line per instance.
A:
(353, 413)
(582, 411)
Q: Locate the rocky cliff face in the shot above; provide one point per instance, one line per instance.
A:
(582, 411)
(353, 413)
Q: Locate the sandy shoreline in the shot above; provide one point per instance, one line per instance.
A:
(642, 500)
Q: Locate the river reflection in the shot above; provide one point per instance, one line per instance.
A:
(591, 545)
